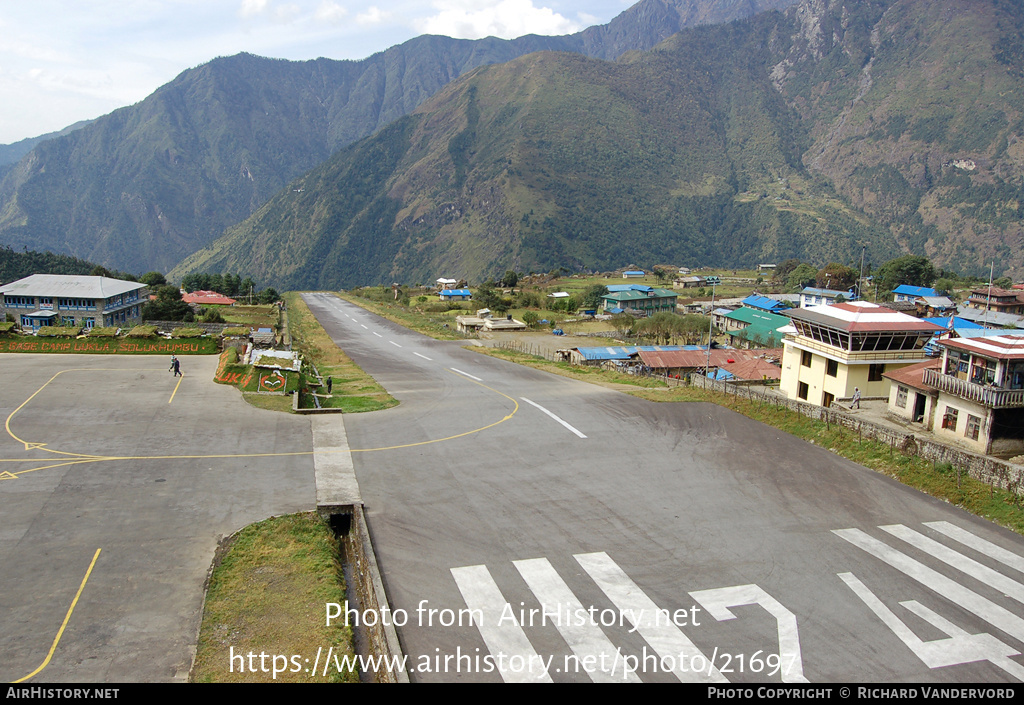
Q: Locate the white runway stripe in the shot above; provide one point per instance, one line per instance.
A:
(574, 623)
(423, 356)
(465, 374)
(1007, 558)
(532, 403)
(959, 561)
(955, 592)
(521, 664)
(663, 636)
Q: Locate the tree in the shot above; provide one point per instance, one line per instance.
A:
(837, 277)
(909, 269)
(803, 275)
(592, 296)
(168, 306)
(530, 318)
(510, 279)
(153, 279)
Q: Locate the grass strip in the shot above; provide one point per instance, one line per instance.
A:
(266, 595)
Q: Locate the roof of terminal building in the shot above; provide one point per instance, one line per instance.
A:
(72, 286)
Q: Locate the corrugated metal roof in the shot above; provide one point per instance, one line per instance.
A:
(694, 359)
(71, 286)
(764, 303)
(908, 290)
(621, 352)
(455, 292)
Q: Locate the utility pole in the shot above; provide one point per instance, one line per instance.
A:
(713, 281)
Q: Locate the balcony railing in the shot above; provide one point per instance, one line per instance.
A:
(982, 394)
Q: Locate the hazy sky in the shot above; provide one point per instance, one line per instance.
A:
(63, 61)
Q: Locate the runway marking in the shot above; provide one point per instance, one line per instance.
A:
(423, 356)
(718, 601)
(634, 604)
(364, 326)
(960, 647)
(176, 388)
(980, 545)
(465, 374)
(997, 616)
(947, 555)
(64, 624)
(377, 334)
(500, 632)
(585, 639)
(394, 343)
(564, 423)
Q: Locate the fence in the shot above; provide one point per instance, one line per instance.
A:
(991, 471)
(529, 349)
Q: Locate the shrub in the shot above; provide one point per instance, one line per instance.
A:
(142, 332)
(188, 333)
(105, 332)
(58, 332)
(234, 333)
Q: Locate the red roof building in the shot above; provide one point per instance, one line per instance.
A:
(207, 298)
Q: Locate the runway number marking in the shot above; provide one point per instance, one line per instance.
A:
(961, 646)
(718, 601)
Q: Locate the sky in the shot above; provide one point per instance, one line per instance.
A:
(61, 62)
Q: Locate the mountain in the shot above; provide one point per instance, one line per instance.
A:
(889, 124)
(11, 153)
(143, 187)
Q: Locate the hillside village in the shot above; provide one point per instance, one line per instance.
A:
(941, 359)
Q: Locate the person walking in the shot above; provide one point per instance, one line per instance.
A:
(175, 366)
(856, 398)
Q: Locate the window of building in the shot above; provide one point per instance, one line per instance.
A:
(875, 373)
(67, 320)
(805, 358)
(901, 397)
(801, 390)
(973, 427)
(949, 418)
(831, 368)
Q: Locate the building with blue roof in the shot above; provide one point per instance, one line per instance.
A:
(455, 295)
(905, 292)
(764, 303)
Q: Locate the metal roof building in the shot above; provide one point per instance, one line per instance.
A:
(69, 300)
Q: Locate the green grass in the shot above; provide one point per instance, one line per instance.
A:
(266, 594)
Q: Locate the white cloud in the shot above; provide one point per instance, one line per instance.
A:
(473, 19)
(253, 8)
(373, 15)
(330, 11)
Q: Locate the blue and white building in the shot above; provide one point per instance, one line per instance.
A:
(66, 300)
